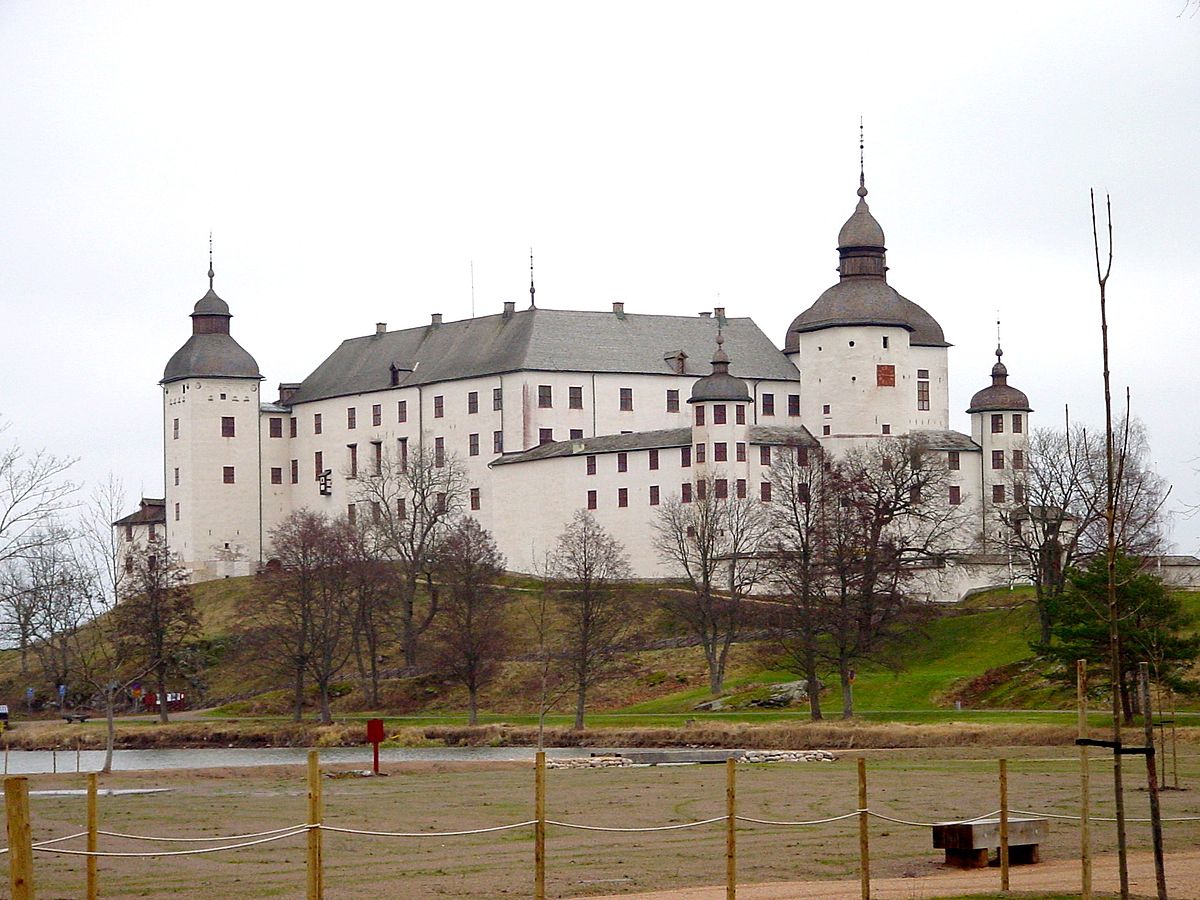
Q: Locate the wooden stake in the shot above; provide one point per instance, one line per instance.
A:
(316, 885)
(730, 828)
(1004, 824)
(539, 828)
(93, 818)
(864, 850)
(1174, 745)
(1085, 825)
(1160, 874)
(20, 838)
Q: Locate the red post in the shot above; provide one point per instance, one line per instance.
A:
(375, 736)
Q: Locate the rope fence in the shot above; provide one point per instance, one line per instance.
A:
(22, 847)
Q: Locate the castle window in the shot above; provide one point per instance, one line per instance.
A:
(768, 404)
(351, 513)
(721, 486)
(129, 565)
(626, 399)
(923, 374)
(699, 414)
(914, 494)
(591, 499)
(793, 404)
(591, 465)
(685, 492)
(175, 429)
(997, 423)
(475, 498)
(227, 426)
(997, 493)
(353, 459)
(472, 402)
(319, 463)
(176, 512)
(741, 488)
(177, 476)
(885, 342)
(824, 431)
(577, 434)
(472, 444)
(719, 414)
(955, 495)
(351, 417)
(292, 427)
(699, 453)
(439, 452)
(922, 389)
(997, 459)
(152, 536)
(1018, 493)
(701, 489)
(497, 441)
(376, 514)
(295, 471)
(223, 396)
(885, 376)
(685, 457)
(741, 451)
(377, 414)
(764, 455)
(802, 456)
(720, 452)
(622, 462)
(886, 429)
(1018, 459)
(545, 435)
(739, 414)
(439, 502)
(825, 409)
(227, 477)
(376, 458)
(439, 406)
(622, 497)
(803, 494)
(952, 460)
(275, 427)
(1018, 423)
(401, 410)
(545, 396)
(764, 492)
(654, 495)
(653, 460)
(497, 398)
(401, 509)
(575, 397)
(672, 401)
(276, 475)
(316, 423)
(402, 449)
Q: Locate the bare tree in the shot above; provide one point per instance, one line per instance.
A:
(372, 585)
(471, 634)
(18, 608)
(156, 619)
(713, 543)
(414, 497)
(33, 490)
(588, 568)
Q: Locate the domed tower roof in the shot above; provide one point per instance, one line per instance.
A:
(1000, 396)
(862, 296)
(210, 352)
(720, 385)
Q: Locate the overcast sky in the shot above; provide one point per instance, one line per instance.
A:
(353, 160)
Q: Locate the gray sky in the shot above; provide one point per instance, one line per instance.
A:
(354, 159)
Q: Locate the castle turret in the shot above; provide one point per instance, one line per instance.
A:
(720, 429)
(211, 435)
(1000, 426)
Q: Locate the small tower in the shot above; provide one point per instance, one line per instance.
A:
(1000, 426)
(211, 446)
(720, 429)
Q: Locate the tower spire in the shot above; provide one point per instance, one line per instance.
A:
(999, 351)
(532, 304)
(210, 268)
(862, 171)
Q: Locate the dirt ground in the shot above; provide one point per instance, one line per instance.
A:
(773, 861)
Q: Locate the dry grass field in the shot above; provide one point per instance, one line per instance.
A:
(916, 784)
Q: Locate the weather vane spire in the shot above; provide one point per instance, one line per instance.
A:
(210, 268)
(862, 172)
(532, 304)
(999, 352)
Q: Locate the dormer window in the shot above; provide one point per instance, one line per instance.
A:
(394, 371)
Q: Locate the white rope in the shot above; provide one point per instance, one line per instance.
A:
(200, 840)
(928, 824)
(421, 834)
(849, 815)
(149, 853)
(57, 840)
(1044, 815)
(627, 830)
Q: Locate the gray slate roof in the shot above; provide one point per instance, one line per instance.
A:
(867, 300)
(212, 356)
(937, 439)
(151, 511)
(551, 340)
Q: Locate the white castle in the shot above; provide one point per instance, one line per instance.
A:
(551, 411)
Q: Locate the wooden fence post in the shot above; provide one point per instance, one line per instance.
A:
(1085, 825)
(93, 818)
(730, 828)
(20, 838)
(1004, 824)
(539, 827)
(864, 850)
(316, 885)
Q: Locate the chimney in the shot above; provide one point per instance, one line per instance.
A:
(619, 309)
(719, 312)
(436, 320)
(509, 307)
(705, 314)
(286, 391)
(381, 327)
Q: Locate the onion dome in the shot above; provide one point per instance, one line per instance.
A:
(720, 385)
(862, 296)
(210, 352)
(1000, 396)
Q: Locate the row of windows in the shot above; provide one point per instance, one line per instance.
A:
(1018, 423)
(1018, 459)
(687, 492)
(473, 499)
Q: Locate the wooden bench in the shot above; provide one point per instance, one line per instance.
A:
(968, 844)
(75, 717)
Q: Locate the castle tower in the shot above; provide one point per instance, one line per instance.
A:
(721, 412)
(211, 447)
(1000, 426)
